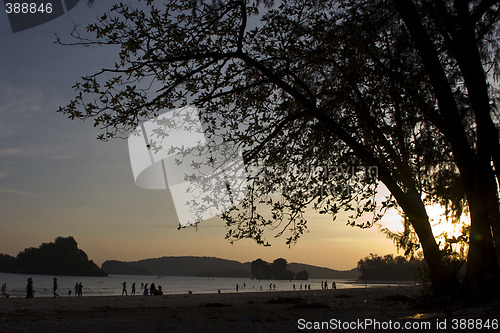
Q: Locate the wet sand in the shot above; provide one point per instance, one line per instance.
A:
(287, 311)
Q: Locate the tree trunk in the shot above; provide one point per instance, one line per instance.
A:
(482, 263)
(444, 281)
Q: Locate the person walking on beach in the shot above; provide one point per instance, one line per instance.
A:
(80, 289)
(145, 293)
(124, 289)
(326, 284)
(237, 287)
(29, 288)
(133, 289)
(54, 288)
(334, 285)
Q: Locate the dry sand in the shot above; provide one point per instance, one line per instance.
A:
(231, 312)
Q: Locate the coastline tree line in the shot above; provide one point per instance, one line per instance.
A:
(277, 270)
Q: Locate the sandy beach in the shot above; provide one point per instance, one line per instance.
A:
(358, 310)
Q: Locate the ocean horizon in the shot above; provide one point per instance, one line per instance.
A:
(112, 285)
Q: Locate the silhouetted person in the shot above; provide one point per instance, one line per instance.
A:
(326, 284)
(334, 285)
(80, 289)
(237, 287)
(124, 289)
(29, 288)
(4, 290)
(54, 288)
(133, 289)
(145, 293)
(160, 291)
(152, 289)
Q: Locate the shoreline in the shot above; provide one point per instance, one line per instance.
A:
(261, 311)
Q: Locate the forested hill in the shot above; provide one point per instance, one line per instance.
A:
(211, 267)
(62, 257)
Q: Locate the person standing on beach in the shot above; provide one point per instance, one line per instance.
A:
(124, 289)
(334, 285)
(145, 293)
(54, 288)
(133, 289)
(4, 290)
(80, 289)
(237, 287)
(29, 288)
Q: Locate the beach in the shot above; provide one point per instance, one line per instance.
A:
(280, 311)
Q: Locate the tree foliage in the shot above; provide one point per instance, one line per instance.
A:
(393, 91)
(276, 270)
(389, 268)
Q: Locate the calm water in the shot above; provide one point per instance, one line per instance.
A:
(112, 285)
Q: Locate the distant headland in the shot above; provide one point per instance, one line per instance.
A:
(61, 257)
(217, 267)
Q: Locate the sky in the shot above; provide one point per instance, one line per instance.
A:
(57, 179)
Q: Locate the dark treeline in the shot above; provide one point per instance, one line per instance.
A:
(389, 268)
(62, 257)
(276, 270)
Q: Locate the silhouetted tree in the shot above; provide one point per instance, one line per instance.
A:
(280, 271)
(395, 85)
(260, 269)
(388, 268)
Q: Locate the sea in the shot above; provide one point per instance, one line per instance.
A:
(112, 285)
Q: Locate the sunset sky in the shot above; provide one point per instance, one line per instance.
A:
(57, 179)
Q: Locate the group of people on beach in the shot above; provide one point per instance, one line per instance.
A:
(151, 290)
(78, 289)
(30, 290)
(324, 285)
(306, 286)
